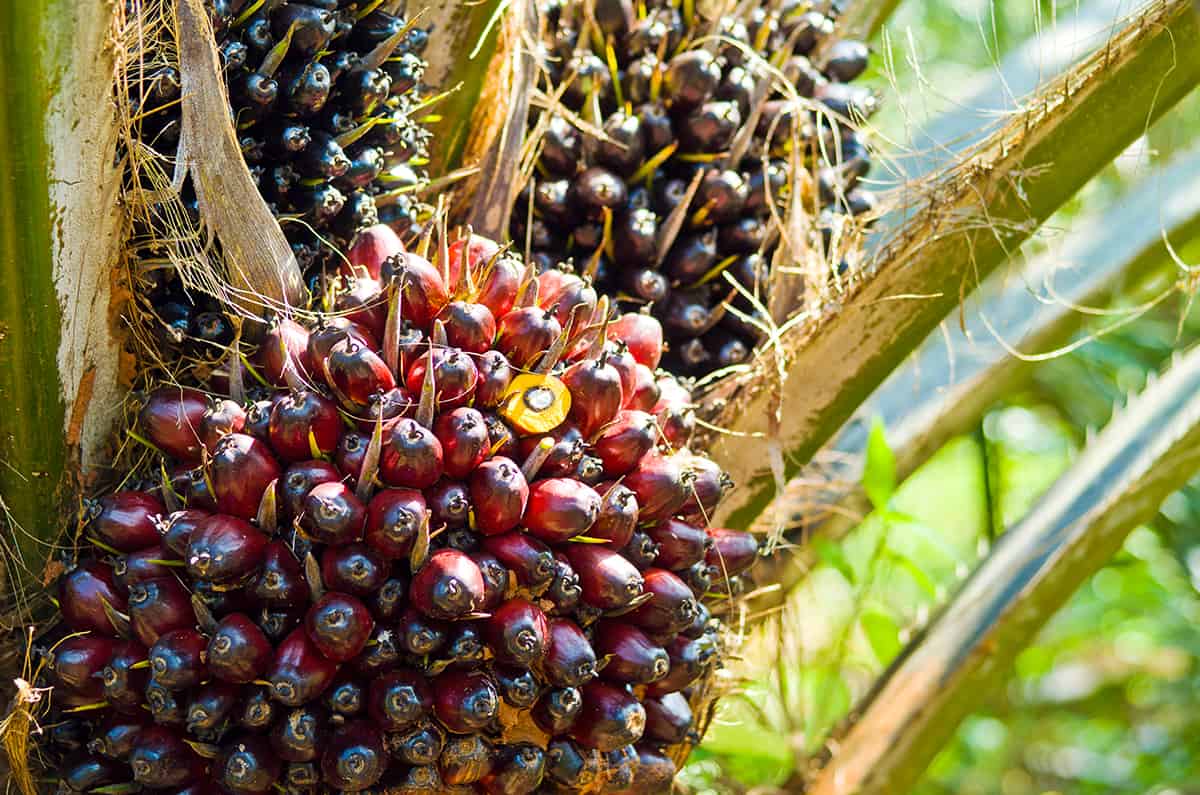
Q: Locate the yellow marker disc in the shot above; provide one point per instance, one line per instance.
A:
(535, 403)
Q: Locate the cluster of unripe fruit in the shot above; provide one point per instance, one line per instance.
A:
(672, 146)
(459, 544)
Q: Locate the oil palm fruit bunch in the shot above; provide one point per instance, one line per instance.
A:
(323, 95)
(459, 544)
(668, 145)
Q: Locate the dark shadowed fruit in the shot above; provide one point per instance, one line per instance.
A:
(339, 625)
(246, 764)
(399, 699)
(354, 758)
(238, 651)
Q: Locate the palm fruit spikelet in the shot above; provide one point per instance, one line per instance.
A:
(666, 155)
(461, 543)
(326, 99)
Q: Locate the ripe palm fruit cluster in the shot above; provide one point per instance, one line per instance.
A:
(458, 546)
(670, 145)
(324, 95)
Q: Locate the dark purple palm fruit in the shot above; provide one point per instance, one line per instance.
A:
(625, 441)
(350, 455)
(691, 78)
(360, 300)
(145, 564)
(672, 607)
(241, 469)
(78, 662)
(655, 770)
(398, 699)
(386, 406)
(733, 552)
(381, 653)
(280, 580)
(518, 768)
(609, 582)
(564, 593)
(418, 634)
(596, 391)
(526, 334)
(465, 701)
(411, 456)
(504, 441)
(495, 375)
(347, 696)
(610, 718)
(331, 331)
(661, 485)
(192, 486)
(123, 684)
(419, 745)
(423, 291)
(83, 593)
(277, 623)
(668, 718)
(171, 419)
(557, 709)
(570, 659)
(116, 736)
(464, 644)
(355, 569)
(641, 550)
(356, 373)
(464, 439)
(519, 687)
(126, 520)
(632, 657)
(300, 671)
(690, 658)
(246, 765)
(284, 347)
(257, 710)
(333, 514)
(339, 625)
(177, 658)
(177, 527)
(530, 561)
(620, 766)
(222, 417)
(680, 545)
(562, 146)
(158, 606)
(89, 772)
(167, 707)
(224, 549)
(495, 579)
(572, 768)
(708, 488)
(465, 759)
(499, 494)
(560, 509)
(395, 517)
(448, 586)
(517, 633)
(163, 759)
(618, 515)
(298, 734)
(449, 503)
(208, 707)
(454, 376)
(304, 426)
(238, 651)
(470, 327)
(700, 577)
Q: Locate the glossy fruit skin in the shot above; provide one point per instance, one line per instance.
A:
(351, 452)
(177, 529)
(355, 569)
(465, 701)
(299, 734)
(661, 486)
(333, 514)
(398, 699)
(642, 333)
(454, 376)
(370, 248)
(525, 334)
(78, 660)
(570, 659)
(167, 707)
(339, 625)
(145, 564)
(469, 327)
(518, 769)
(464, 439)
(680, 545)
(285, 345)
(499, 494)
(672, 608)
(411, 456)
(354, 758)
(557, 709)
(171, 419)
(560, 509)
(391, 598)
(246, 765)
(530, 560)
(162, 759)
(633, 658)
(448, 586)
(420, 745)
(209, 706)
(257, 710)
(465, 760)
(517, 633)
(122, 684)
(464, 644)
(299, 672)
(608, 580)
(571, 766)
(238, 651)
(117, 736)
(280, 580)
(81, 594)
(668, 718)
(357, 373)
(222, 417)
(85, 772)
(301, 420)
(418, 634)
(241, 469)
(224, 549)
(347, 696)
(126, 520)
(596, 389)
(623, 443)
(733, 552)
(423, 291)
(609, 719)
(564, 592)
(495, 579)
(158, 606)
(618, 515)
(495, 374)
(176, 658)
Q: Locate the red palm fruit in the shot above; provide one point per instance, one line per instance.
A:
(633, 658)
(423, 291)
(626, 366)
(671, 609)
(596, 393)
(662, 486)
(161, 758)
(497, 278)
(680, 545)
(238, 651)
(285, 345)
(299, 734)
(564, 456)
(689, 659)
(177, 658)
(623, 443)
(257, 710)
(192, 486)
(495, 579)
(122, 683)
(177, 529)
(464, 439)
(618, 515)
(571, 296)
(499, 495)
(370, 248)
(564, 592)
(171, 419)
(420, 635)
(570, 659)
(357, 373)
(465, 701)
(246, 765)
(476, 249)
(116, 736)
(677, 425)
(454, 376)
(469, 327)
(655, 771)
(518, 687)
(560, 509)
(530, 561)
(732, 552)
(572, 768)
(224, 549)
(301, 421)
(361, 300)
(465, 760)
(333, 515)
(145, 564)
(420, 745)
(299, 671)
(88, 772)
(557, 709)
(517, 632)
(241, 469)
(610, 718)
(331, 331)
(710, 485)
(495, 374)
(126, 519)
(525, 334)
(668, 718)
(222, 417)
(449, 503)
(391, 598)
(339, 625)
(410, 456)
(352, 450)
(280, 582)
(354, 569)
(645, 392)
(390, 405)
(609, 581)
(158, 606)
(209, 706)
(78, 661)
(641, 550)
(642, 334)
(448, 586)
(519, 768)
(394, 519)
(504, 442)
(399, 699)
